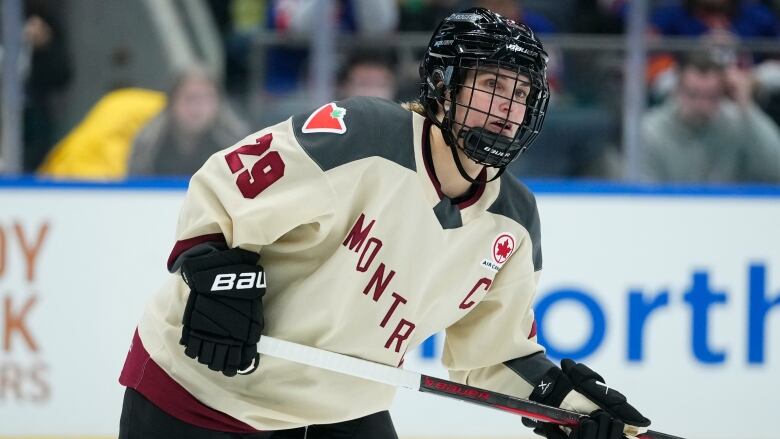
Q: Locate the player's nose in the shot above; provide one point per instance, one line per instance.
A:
(509, 107)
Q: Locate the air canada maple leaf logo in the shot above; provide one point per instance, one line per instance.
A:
(327, 119)
(503, 246)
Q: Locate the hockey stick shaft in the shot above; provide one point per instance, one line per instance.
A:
(397, 377)
(515, 405)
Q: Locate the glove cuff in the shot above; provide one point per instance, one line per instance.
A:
(550, 385)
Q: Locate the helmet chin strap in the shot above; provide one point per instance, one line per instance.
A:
(445, 125)
(453, 144)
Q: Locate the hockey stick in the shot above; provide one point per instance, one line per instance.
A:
(397, 377)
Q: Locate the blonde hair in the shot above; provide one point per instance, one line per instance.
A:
(414, 106)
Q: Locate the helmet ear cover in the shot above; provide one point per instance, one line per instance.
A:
(440, 83)
(440, 88)
(471, 40)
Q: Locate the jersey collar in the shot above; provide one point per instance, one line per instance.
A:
(468, 199)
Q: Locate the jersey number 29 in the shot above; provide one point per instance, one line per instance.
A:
(265, 171)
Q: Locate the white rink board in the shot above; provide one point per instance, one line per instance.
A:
(98, 254)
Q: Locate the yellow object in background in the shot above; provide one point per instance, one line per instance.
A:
(98, 148)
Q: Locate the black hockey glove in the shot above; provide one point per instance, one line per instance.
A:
(592, 385)
(599, 425)
(576, 387)
(224, 313)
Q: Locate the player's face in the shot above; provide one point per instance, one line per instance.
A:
(492, 98)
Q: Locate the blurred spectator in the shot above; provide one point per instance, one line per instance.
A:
(720, 22)
(48, 72)
(98, 147)
(710, 130)
(368, 73)
(286, 68)
(195, 124)
(364, 17)
(709, 17)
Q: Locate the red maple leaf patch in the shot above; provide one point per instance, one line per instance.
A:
(504, 249)
(503, 246)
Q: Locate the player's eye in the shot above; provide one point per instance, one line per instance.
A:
(521, 94)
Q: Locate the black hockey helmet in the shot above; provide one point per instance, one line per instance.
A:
(476, 39)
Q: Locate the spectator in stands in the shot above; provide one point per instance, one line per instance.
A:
(708, 17)
(368, 73)
(286, 67)
(710, 130)
(195, 124)
(719, 22)
(98, 147)
(48, 71)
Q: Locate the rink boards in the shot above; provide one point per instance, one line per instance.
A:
(672, 294)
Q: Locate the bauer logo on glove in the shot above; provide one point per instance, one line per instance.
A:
(245, 281)
(223, 318)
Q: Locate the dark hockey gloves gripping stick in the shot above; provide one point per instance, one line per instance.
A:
(598, 425)
(224, 313)
(606, 423)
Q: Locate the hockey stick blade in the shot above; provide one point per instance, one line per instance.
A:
(397, 377)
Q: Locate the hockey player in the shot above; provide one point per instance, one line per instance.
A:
(363, 227)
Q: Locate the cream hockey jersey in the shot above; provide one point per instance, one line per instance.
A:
(363, 255)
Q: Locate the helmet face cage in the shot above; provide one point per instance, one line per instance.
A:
(471, 45)
(494, 139)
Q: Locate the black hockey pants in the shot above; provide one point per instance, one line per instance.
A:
(143, 420)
